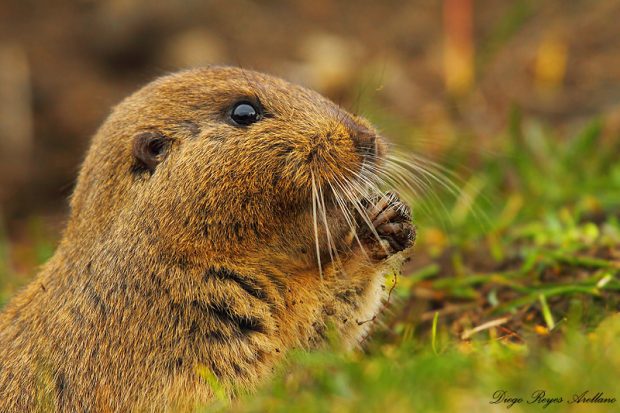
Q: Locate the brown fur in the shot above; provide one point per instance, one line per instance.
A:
(206, 260)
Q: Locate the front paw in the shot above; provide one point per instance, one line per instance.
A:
(387, 227)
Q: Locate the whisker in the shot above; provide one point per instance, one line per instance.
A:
(423, 185)
(322, 211)
(433, 175)
(412, 165)
(352, 186)
(316, 227)
(349, 219)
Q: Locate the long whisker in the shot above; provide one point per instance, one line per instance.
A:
(345, 192)
(316, 227)
(330, 245)
(348, 218)
(438, 169)
(439, 178)
(464, 195)
(352, 186)
(341, 205)
(423, 184)
(412, 165)
(413, 182)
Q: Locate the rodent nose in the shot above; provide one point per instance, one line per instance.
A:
(365, 141)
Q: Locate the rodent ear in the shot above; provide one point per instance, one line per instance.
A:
(149, 149)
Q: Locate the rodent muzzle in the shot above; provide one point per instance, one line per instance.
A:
(365, 142)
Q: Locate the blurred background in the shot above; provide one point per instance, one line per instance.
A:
(437, 77)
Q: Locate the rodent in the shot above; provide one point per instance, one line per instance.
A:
(194, 239)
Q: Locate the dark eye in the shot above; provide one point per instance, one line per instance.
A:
(245, 113)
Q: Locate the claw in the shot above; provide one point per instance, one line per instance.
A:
(391, 218)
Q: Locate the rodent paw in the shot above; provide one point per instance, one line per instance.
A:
(392, 230)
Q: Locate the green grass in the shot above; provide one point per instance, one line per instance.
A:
(407, 375)
(515, 287)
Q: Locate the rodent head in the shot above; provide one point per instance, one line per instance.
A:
(220, 158)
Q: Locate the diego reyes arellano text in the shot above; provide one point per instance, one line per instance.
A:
(542, 398)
